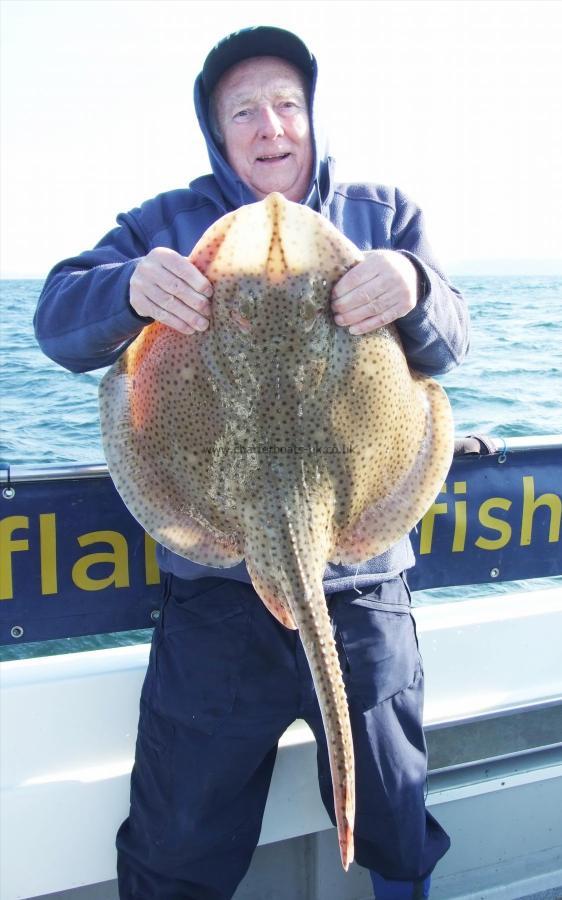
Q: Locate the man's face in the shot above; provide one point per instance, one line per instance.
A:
(263, 118)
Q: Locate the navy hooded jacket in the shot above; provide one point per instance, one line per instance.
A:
(84, 320)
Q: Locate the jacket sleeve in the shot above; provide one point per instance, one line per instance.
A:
(83, 319)
(435, 333)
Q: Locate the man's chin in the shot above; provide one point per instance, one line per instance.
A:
(289, 191)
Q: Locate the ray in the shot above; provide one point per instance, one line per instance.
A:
(278, 437)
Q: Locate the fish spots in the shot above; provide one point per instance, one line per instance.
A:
(277, 437)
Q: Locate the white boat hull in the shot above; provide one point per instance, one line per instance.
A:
(68, 726)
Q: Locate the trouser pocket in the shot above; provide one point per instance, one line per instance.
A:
(376, 637)
(205, 631)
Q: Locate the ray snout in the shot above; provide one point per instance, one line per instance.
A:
(273, 239)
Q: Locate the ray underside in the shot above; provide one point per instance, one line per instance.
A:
(278, 437)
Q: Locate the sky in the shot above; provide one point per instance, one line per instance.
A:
(455, 101)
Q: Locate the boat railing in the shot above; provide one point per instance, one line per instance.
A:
(74, 562)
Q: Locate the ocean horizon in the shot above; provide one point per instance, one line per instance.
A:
(492, 266)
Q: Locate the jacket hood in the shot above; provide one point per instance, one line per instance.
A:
(228, 191)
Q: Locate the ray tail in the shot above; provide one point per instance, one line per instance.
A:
(321, 653)
(286, 568)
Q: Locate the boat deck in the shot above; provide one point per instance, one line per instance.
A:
(254, 888)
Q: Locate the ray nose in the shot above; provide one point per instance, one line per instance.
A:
(276, 266)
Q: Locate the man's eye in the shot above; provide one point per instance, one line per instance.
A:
(242, 114)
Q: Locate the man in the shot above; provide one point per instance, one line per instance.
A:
(225, 679)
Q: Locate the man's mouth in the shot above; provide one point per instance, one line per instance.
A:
(273, 157)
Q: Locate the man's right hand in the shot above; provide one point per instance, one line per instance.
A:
(170, 289)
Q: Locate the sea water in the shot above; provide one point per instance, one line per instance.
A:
(510, 384)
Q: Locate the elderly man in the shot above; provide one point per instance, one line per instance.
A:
(225, 678)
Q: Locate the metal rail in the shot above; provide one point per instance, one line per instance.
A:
(497, 712)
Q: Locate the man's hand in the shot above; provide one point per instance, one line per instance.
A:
(170, 289)
(377, 291)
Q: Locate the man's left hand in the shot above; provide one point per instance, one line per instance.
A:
(377, 291)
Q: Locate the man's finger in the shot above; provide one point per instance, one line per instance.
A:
(169, 310)
(183, 269)
(167, 305)
(141, 304)
(361, 274)
(378, 321)
(173, 286)
(172, 321)
(359, 303)
(356, 279)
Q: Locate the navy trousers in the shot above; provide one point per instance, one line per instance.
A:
(224, 681)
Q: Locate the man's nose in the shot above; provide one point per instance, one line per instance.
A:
(270, 124)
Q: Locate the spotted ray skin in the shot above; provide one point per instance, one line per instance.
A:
(277, 436)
